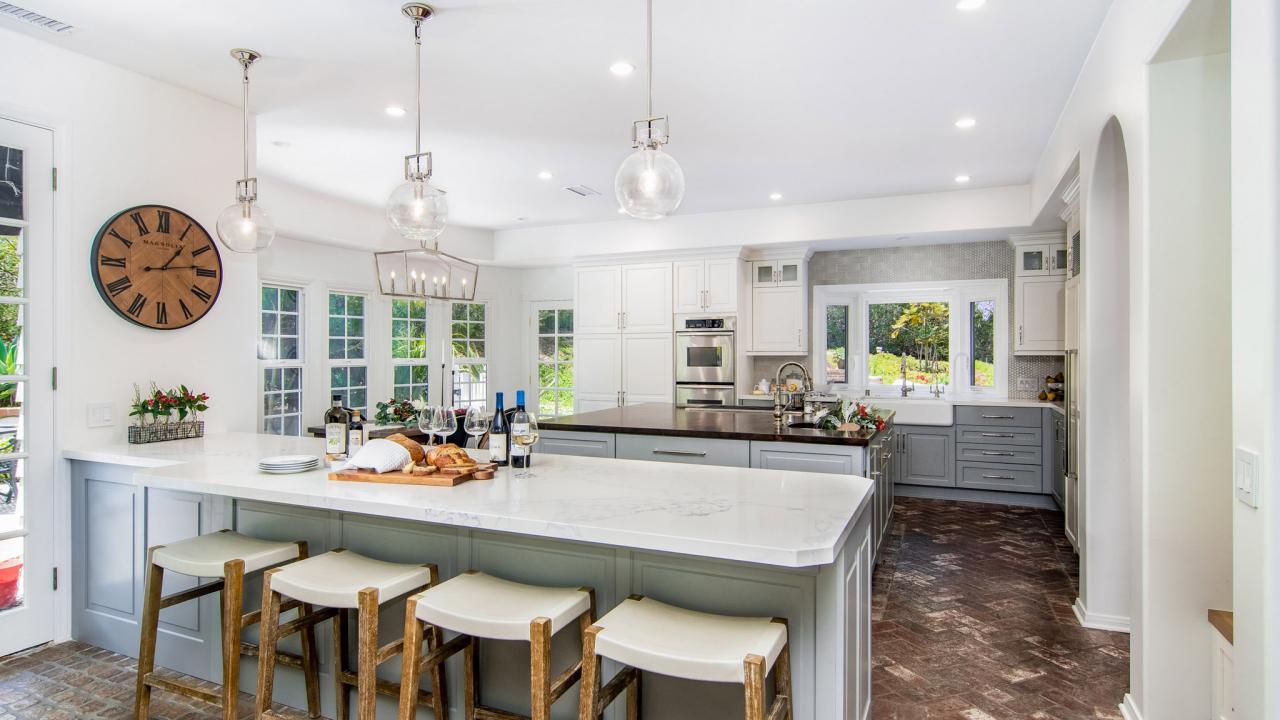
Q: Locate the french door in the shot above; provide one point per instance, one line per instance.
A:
(26, 395)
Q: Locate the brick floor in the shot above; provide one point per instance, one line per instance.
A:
(972, 620)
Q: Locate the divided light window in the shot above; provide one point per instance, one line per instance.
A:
(470, 369)
(409, 349)
(280, 350)
(555, 361)
(348, 366)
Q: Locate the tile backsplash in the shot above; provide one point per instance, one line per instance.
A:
(958, 261)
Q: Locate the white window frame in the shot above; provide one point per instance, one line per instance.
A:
(361, 362)
(958, 294)
(299, 362)
(424, 362)
(534, 353)
(456, 383)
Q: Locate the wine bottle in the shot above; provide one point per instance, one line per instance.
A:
(499, 436)
(355, 433)
(519, 453)
(335, 428)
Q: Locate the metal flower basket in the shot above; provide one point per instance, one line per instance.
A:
(159, 432)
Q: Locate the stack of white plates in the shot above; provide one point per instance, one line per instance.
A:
(285, 464)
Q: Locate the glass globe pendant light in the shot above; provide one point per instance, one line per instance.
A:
(245, 227)
(649, 184)
(417, 209)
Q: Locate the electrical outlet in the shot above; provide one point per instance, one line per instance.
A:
(1246, 476)
(101, 414)
(1026, 384)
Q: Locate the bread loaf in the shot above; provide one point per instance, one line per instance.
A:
(414, 447)
(449, 456)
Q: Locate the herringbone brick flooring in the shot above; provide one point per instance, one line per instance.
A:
(972, 620)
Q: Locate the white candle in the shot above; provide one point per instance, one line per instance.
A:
(413, 284)
(393, 281)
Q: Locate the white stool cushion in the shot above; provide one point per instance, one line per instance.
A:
(205, 555)
(335, 579)
(653, 636)
(488, 607)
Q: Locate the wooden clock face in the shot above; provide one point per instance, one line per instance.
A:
(156, 267)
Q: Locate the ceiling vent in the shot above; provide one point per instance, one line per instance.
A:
(34, 18)
(583, 191)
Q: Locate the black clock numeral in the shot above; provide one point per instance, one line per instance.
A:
(186, 311)
(142, 224)
(162, 314)
(115, 287)
(135, 307)
(112, 261)
(206, 272)
(162, 221)
(200, 250)
(203, 295)
(184, 232)
(127, 242)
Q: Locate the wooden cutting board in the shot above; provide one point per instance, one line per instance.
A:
(436, 479)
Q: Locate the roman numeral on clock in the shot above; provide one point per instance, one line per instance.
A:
(162, 221)
(142, 224)
(112, 261)
(115, 287)
(162, 314)
(135, 307)
(186, 311)
(200, 250)
(206, 272)
(204, 296)
(127, 242)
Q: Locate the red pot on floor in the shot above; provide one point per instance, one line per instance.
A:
(10, 575)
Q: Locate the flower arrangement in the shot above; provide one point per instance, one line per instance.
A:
(156, 411)
(398, 412)
(852, 418)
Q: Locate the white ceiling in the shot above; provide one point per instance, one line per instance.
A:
(819, 100)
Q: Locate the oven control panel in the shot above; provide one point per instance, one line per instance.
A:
(707, 324)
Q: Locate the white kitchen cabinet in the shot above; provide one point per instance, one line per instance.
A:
(1041, 259)
(1073, 310)
(778, 317)
(648, 368)
(706, 286)
(597, 370)
(1039, 315)
(617, 369)
(623, 298)
(777, 273)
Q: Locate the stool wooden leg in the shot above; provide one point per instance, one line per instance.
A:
(367, 655)
(147, 645)
(232, 608)
(540, 668)
(410, 657)
(589, 690)
(471, 665)
(342, 696)
(439, 686)
(268, 636)
(753, 686)
(782, 677)
(310, 660)
(633, 696)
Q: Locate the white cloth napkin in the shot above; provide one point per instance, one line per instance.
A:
(380, 456)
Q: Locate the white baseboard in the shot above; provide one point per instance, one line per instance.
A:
(1098, 621)
(1129, 708)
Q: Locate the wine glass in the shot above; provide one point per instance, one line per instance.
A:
(524, 433)
(448, 423)
(429, 421)
(476, 423)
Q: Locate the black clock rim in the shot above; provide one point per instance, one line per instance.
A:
(106, 298)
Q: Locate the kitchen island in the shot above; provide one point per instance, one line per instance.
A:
(718, 539)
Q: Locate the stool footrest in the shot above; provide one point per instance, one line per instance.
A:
(565, 680)
(282, 658)
(614, 687)
(385, 687)
(255, 616)
(488, 713)
(183, 689)
(306, 621)
(781, 708)
(445, 651)
(195, 592)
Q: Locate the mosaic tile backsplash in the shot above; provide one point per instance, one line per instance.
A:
(959, 261)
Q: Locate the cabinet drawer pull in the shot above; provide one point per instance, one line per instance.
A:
(997, 417)
(679, 453)
(999, 477)
(999, 435)
(993, 452)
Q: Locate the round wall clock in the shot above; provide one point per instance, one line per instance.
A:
(156, 267)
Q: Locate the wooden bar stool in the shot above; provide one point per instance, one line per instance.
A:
(337, 583)
(229, 557)
(478, 606)
(646, 635)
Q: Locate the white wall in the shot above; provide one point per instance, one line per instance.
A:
(122, 140)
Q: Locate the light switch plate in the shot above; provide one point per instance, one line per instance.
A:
(1026, 384)
(1246, 476)
(101, 414)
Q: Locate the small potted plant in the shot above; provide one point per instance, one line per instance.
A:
(396, 412)
(856, 418)
(155, 414)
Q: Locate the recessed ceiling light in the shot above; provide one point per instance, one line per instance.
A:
(521, 219)
(962, 179)
(965, 123)
(970, 4)
(395, 111)
(622, 69)
(544, 175)
(281, 143)
(775, 196)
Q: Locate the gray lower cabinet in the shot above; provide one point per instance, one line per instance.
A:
(1059, 464)
(1007, 478)
(800, 457)
(581, 444)
(927, 455)
(696, 451)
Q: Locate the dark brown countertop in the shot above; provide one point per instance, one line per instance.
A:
(669, 420)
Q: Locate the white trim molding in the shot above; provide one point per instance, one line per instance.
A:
(1129, 708)
(1098, 621)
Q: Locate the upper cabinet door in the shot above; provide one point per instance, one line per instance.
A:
(764, 273)
(777, 320)
(790, 273)
(1032, 260)
(1058, 259)
(597, 300)
(646, 298)
(690, 283)
(721, 285)
(1040, 315)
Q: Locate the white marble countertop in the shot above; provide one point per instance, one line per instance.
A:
(770, 517)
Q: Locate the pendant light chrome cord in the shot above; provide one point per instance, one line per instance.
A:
(417, 84)
(244, 113)
(648, 52)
